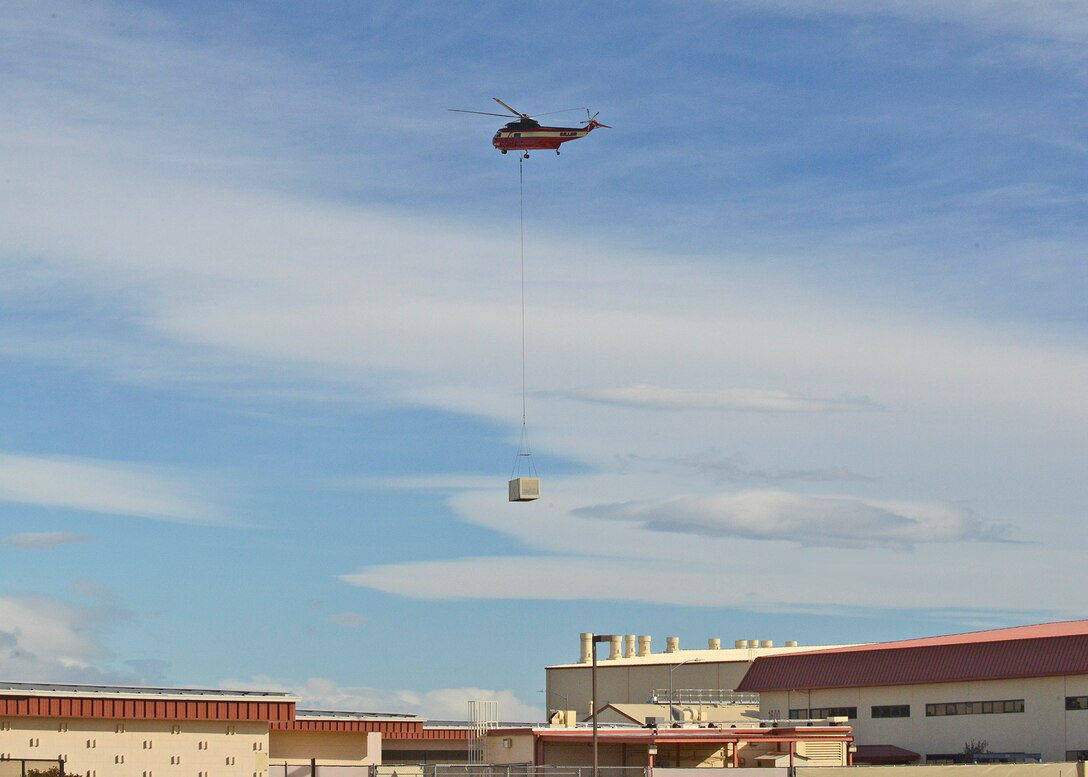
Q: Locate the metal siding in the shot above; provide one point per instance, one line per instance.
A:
(1005, 659)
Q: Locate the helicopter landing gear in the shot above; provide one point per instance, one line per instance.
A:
(526, 155)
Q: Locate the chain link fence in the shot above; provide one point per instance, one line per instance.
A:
(317, 769)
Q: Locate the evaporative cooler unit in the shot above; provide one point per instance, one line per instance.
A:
(524, 489)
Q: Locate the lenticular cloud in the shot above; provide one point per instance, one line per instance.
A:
(840, 521)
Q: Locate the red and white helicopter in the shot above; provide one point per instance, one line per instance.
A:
(526, 134)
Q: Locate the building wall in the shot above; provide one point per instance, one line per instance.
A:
(328, 747)
(424, 751)
(145, 748)
(520, 749)
(631, 680)
(1044, 727)
(621, 682)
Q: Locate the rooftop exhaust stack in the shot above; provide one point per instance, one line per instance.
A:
(629, 648)
(672, 644)
(791, 643)
(714, 643)
(615, 647)
(644, 645)
(767, 643)
(740, 643)
(587, 647)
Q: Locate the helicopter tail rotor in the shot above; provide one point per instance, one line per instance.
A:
(592, 123)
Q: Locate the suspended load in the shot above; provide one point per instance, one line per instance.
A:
(524, 489)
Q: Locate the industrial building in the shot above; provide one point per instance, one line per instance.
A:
(687, 682)
(171, 732)
(1015, 692)
(691, 746)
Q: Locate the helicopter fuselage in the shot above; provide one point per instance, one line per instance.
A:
(528, 135)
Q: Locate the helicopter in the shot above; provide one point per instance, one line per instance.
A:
(526, 134)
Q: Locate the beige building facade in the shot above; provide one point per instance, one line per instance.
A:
(629, 672)
(666, 748)
(170, 732)
(1013, 691)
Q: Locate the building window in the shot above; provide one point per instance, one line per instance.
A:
(1076, 703)
(824, 712)
(1076, 755)
(974, 707)
(891, 711)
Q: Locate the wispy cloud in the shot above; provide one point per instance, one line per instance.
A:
(736, 468)
(351, 620)
(43, 539)
(319, 693)
(43, 638)
(652, 397)
(101, 487)
(806, 520)
(1059, 20)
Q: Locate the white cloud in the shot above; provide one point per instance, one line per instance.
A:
(43, 539)
(222, 273)
(318, 693)
(102, 487)
(42, 638)
(736, 399)
(805, 519)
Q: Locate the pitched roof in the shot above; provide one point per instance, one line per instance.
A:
(1024, 651)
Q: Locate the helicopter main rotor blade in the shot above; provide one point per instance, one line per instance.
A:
(507, 107)
(482, 113)
(549, 113)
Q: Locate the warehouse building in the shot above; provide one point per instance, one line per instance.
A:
(170, 732)
(1010, 694)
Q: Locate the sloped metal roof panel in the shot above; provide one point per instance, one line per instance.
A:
(922, 663)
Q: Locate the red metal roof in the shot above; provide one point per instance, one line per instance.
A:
(1025, 651)
(400, 729)
(144, 709)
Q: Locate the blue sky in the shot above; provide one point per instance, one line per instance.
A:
(806, 342)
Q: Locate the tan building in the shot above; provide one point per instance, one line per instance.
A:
(685, 747)
(100, 730)
(1020, 690)
(631, 673)
(183, 732)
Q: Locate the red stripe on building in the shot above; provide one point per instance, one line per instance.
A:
(139, 709)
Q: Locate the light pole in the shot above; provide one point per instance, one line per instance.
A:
(597, 638)
(671, 670)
